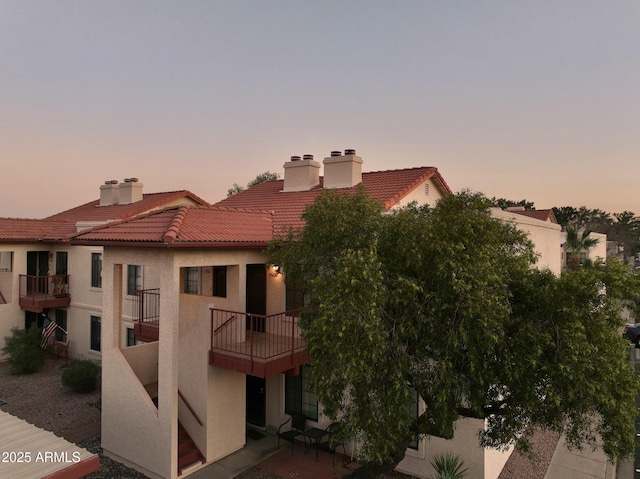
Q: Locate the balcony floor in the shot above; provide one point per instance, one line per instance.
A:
(272, 354)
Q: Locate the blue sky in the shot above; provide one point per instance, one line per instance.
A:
(537, 100)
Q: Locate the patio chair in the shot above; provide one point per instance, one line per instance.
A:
(335, 439)
(298, 426)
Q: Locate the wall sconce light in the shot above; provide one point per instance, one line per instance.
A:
(276, 270)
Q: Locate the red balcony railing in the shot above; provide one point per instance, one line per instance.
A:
(146, 314)
(38, 293)
(256, 344)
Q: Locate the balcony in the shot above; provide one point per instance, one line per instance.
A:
(146, 314)
(38, 293)
(255, 344)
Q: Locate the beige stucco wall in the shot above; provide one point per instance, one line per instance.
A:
(464, 444)
(544, 235)
(425, 193)
(11, 316)
(85, 300)
(134, 431)
(216, 395)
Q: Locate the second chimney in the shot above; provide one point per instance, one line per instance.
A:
(130, 191)
(342, 171)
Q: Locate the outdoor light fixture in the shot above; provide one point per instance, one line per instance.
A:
(277, 270)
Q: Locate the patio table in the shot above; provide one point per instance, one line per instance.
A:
(315, 435)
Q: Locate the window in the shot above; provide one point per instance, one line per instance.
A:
(131, 337)
(294, 294)
(134, 278)
(299, 397)
(62, 261)
(61, 321)
(6, 261)
(582, 257)
(95, 333)
(96, 270)
(206, 280)
(220, 281)
(191, 280)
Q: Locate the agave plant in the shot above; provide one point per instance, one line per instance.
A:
(448, 466)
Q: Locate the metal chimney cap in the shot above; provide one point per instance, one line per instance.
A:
(336, 153)
(349, 152)
(295, 158)
(135, 180)
(308, 157)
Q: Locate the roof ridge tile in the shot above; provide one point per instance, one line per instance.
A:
(174, 228)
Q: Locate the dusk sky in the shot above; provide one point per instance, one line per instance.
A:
(537, 100)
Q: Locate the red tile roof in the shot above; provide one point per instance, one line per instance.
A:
(92, 211)
(250, 218)
(62, 225)
(388, 187)
(186, 226)
(18, 230)
(544, 215)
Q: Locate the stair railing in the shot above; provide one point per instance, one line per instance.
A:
(186, 403)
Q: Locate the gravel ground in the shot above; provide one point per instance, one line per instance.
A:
(532, 465)
(42, 400)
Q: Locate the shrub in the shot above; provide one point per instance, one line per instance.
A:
(448, 466)
(81, 377)
(24, 351)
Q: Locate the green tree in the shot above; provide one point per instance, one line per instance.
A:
(261, 178)
(444, 302)
(504, 203)
(235, 189)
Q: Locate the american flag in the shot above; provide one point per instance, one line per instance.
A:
(48, 328)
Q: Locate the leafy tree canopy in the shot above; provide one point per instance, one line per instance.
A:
(444, 302)
(261, 178)
(504, 203)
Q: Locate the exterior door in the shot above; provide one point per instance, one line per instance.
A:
(256, 404)
(256, 307)
(37, 269)
(256, 301)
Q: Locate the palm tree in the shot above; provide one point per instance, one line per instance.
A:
(578, 242)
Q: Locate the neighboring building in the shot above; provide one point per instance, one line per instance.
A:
(599, 251)
(40, 272)
(544, 231)
(219, 346)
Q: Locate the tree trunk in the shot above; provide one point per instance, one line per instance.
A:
(369, 470)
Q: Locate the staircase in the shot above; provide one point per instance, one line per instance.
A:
(188, 453)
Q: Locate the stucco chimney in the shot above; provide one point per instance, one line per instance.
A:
(130, 191)
(109, 193)
(342, 171)
(301, 174)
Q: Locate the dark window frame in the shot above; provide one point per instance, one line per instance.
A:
(299, 398)
(96, 270)
(134, 278)
(191, 280)
(61, 321)
(95, 333)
